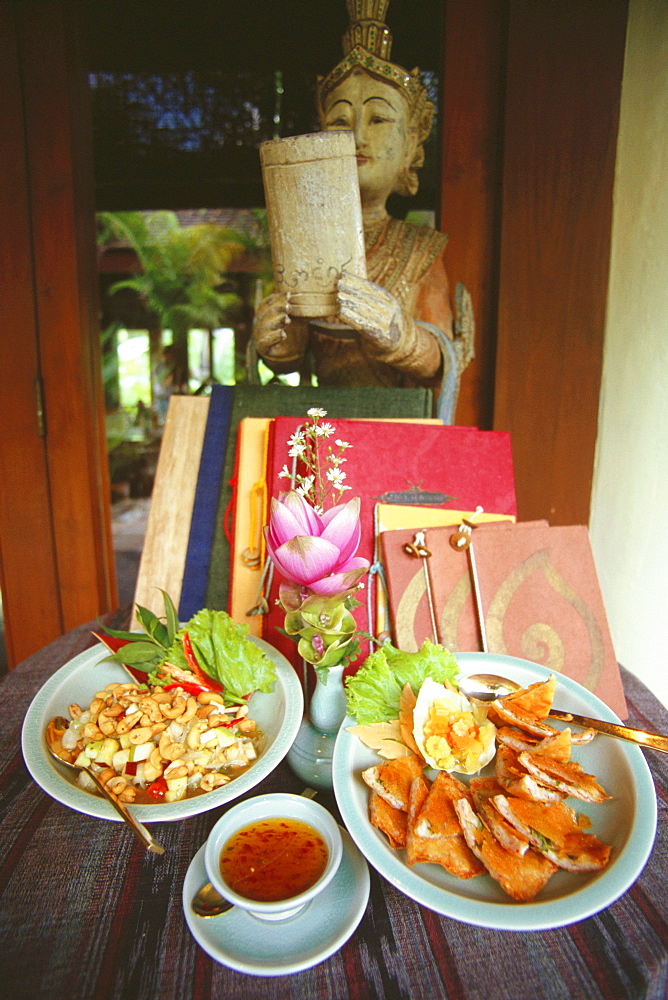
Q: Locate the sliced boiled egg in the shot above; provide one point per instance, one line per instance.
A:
(452, 733)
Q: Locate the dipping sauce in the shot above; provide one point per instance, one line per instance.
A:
(273, 859)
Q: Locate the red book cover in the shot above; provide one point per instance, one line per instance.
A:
(539, 592)
(405, 463)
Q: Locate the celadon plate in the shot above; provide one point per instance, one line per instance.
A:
(627, 821)
(278, 713)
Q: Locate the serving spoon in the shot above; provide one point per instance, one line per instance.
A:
(54, 732)
(489, 687)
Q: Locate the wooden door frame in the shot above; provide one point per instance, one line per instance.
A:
(55, 521)
(531, 93)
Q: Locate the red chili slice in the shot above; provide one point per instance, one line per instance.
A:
(193, 689)
(209, 683)
(157, 789)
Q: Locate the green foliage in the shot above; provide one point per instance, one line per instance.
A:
(221, 646)
(182, 266)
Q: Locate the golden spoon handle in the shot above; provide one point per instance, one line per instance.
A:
(639, 736)
(139, 830)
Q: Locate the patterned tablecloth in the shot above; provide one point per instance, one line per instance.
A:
(87, 914)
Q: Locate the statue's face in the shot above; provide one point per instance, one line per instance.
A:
(377, 114)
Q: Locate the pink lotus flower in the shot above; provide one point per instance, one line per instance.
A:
(316, 550)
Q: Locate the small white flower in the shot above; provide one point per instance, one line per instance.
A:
(316, 411)
(307, 482)
(285, 473)
(297, 449)
(342, 444)
(336, 476)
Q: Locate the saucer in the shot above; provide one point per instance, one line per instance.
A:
(242, 942)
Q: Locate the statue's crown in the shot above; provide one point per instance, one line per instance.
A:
(367, 28)
(367, 44)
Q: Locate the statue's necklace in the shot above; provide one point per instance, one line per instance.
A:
(373, 234)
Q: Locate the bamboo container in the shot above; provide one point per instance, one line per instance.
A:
(315, 217)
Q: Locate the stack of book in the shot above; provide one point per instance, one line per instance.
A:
(422, 485)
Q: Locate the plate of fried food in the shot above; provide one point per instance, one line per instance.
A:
(490, 814)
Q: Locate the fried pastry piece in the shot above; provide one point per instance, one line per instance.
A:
(437, 816)
(393, 780)
(581, 736)
(482, 790)
(555, 745)
(567, 777)
(516, 739)
(558, 747)
(536, 699)
(448, 850)
(517, 781)
(516, 710)
(392, 822)
(506, 713)
(554, 830)
(521, 877)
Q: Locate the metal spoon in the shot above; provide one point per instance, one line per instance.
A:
(53, 734)
(207, 902)
(489, 687)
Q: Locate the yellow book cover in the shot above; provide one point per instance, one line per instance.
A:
(250, 514)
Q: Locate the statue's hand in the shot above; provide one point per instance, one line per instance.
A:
(271, 318)
(387, 333)
(371, 310)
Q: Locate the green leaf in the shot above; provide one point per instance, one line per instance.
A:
(374, 691)
(171, 617)
(293, 623)
(154, 627)
(119, 634)
(224, 652)
(145, 616)
(136, 653)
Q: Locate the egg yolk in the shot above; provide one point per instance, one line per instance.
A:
(455, 740)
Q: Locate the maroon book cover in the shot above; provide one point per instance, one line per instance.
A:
(539, 591)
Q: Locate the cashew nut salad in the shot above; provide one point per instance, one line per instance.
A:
(180, 726)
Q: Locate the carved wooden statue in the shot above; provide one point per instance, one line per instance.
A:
(393, 327)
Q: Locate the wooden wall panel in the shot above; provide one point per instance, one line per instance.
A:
(31, 604)
(472, 128)
(55, 521)
(62, 213)
(565, 64)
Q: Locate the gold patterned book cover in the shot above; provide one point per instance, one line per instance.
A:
(539, 592)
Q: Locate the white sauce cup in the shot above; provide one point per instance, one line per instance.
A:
(255, 810)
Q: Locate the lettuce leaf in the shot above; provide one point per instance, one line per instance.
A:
(224, 651)
(373, 692)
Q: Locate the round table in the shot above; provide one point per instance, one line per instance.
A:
(87, 914)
